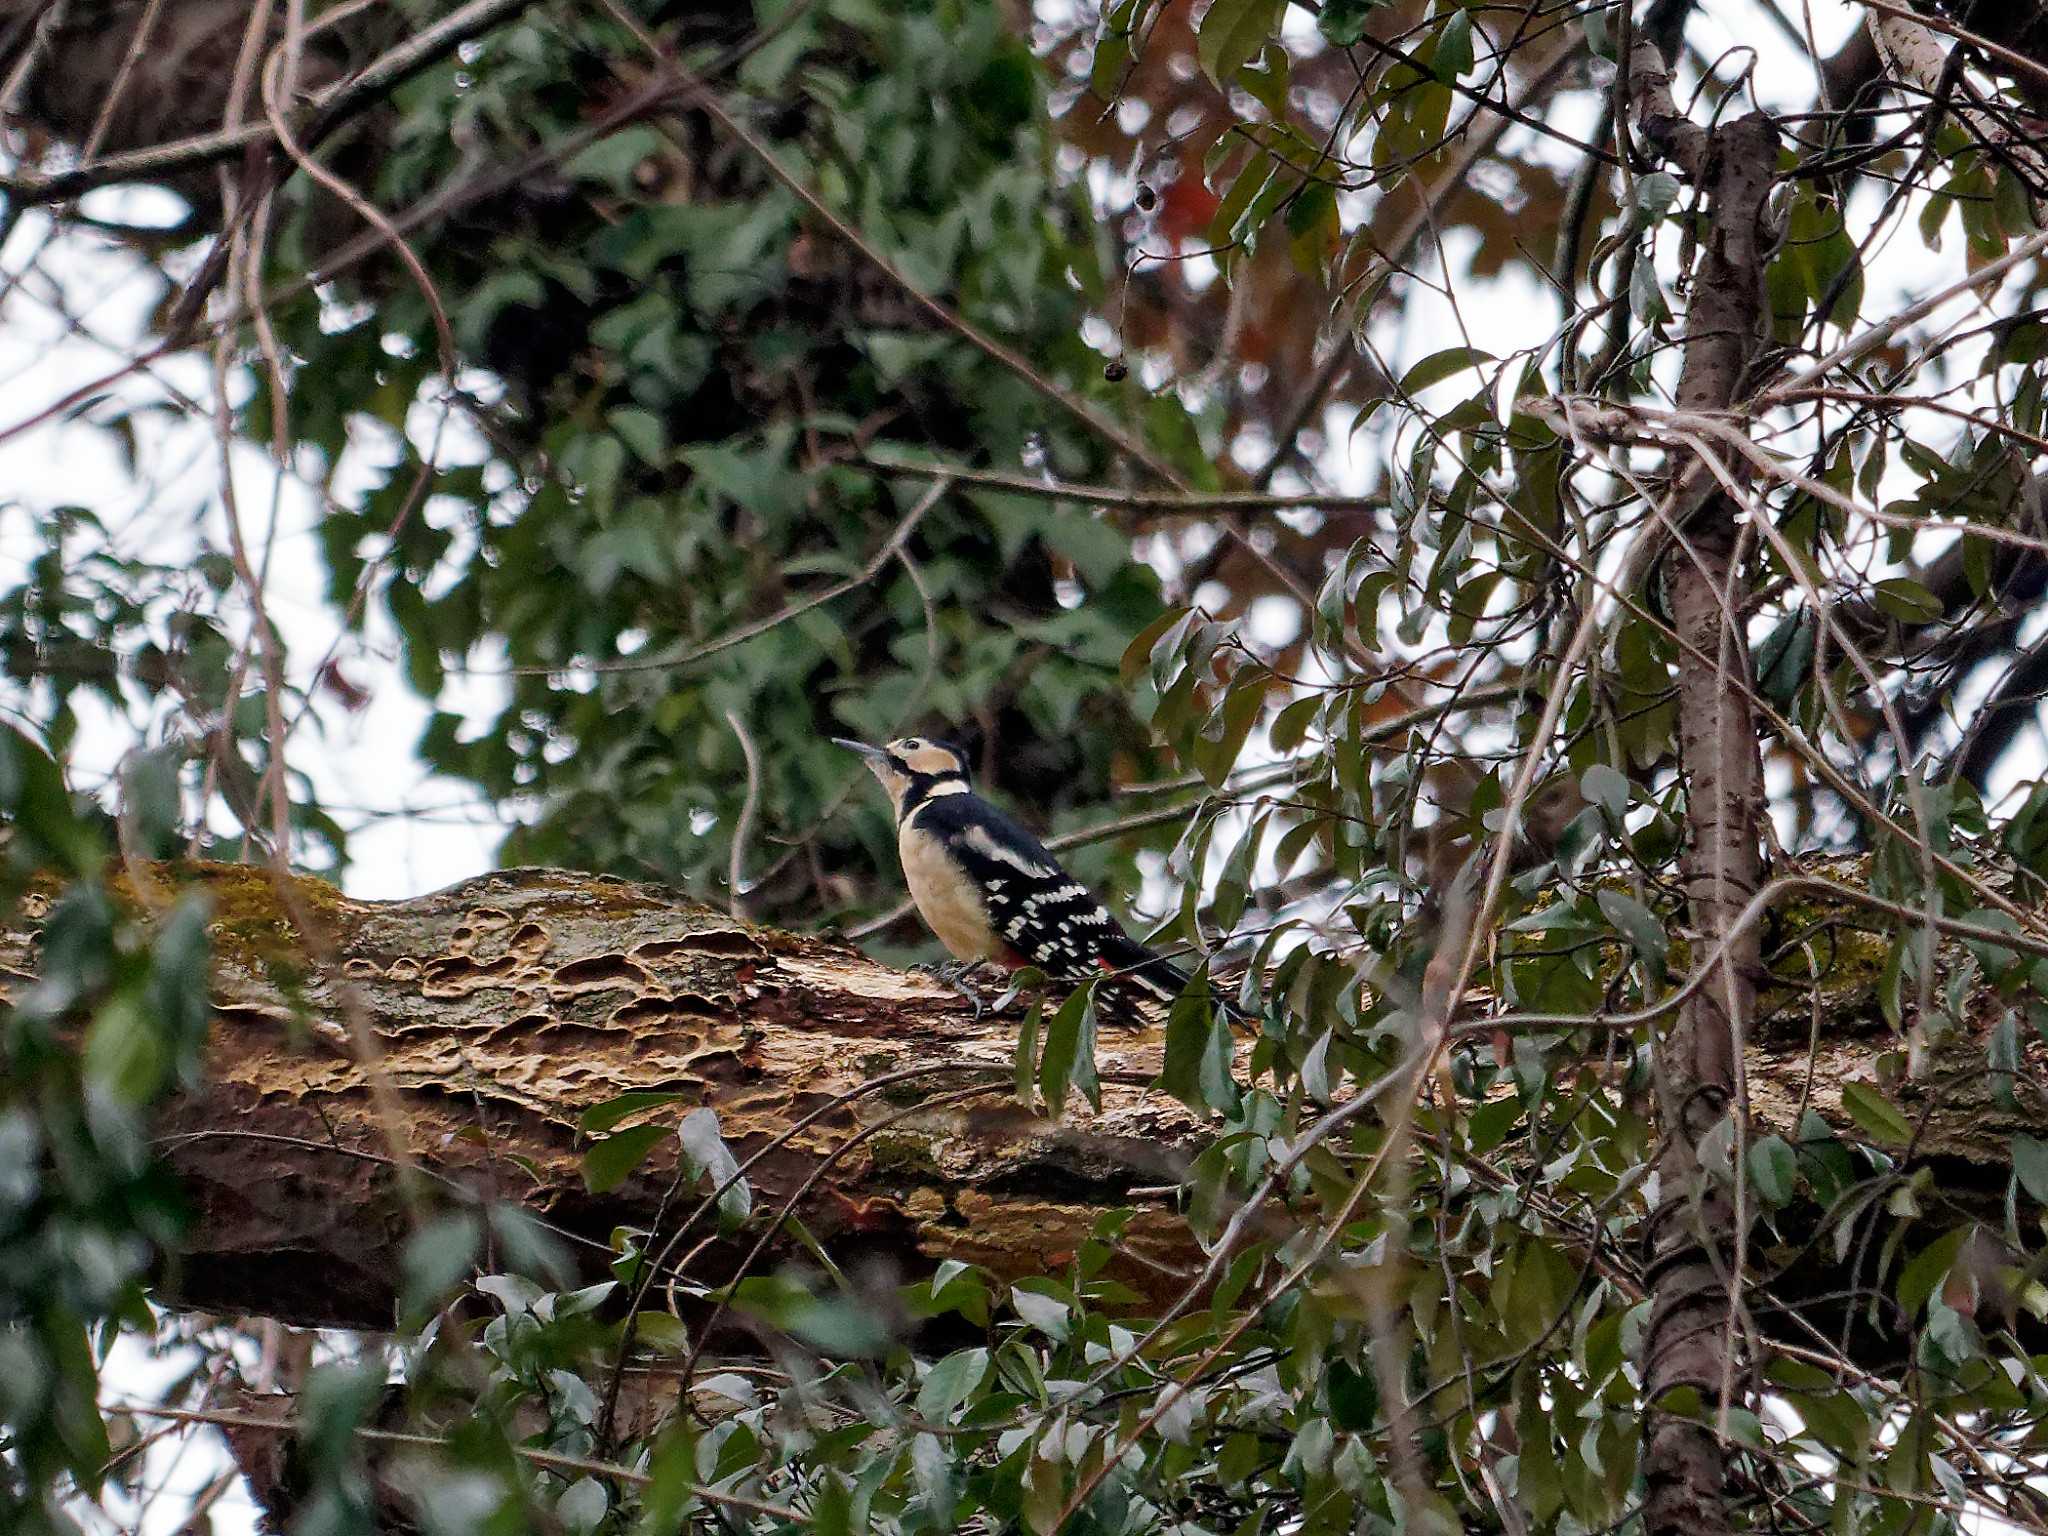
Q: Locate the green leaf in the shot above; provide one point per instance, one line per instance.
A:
(1438, 366)
(614, 158)
(606, 1165)
(1251, 180)
(1745, 1428)
(1045, 1491)
(949, 1384)
(1219, 1080)
(704, 1146)
(663, 1333)
(1453, 56)
(841, 1326)
(1069, 1059)
(180, 979)
(1655, 195)
(81, 1426)
(1343, 22)
(1606, 787)
(831, 1512)
(1232, 33)
(1995, 958)
(1924, 1271)
(1216, 755)
(1045, 1312)
(124, 1054)
(39, 810)
(1891, 980)
(529, 1248)
(1268, 84)
(1187, 1035)
(1637, 923)
(1646, 295)
(1908, 601)
(1196, 1068)
(1876, 1114)
(1784, 657)
(642, 432)
(2030, 1162)
(437, 1258)
(1112, 53)
(2002, 1054)
(582, 1506)
(1290, 727)
(1313, 224)
(336, 1400)
(1098, 549)
(1835, 1419)
(1139, 652)
(152, 798)
(602, 1117)
(1599, 40)
(1774, 1169)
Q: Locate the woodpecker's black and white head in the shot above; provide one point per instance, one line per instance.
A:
(914, 769)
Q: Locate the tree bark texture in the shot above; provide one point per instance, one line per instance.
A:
(1692, 1341)
(507, 1005)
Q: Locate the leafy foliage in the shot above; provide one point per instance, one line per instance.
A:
(701, 386)
(902, 367)
(116, 1018)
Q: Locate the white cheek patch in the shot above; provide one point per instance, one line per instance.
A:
(981, 842)
(946, 787)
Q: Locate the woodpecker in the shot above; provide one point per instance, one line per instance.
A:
(990, 890)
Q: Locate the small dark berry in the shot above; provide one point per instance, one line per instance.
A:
(1115, 371)
(1147, 198)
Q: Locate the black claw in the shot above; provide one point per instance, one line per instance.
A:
(957, 975)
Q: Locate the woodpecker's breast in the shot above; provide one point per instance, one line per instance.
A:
(947, 899)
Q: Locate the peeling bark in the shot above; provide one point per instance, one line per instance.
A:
(507, 1005)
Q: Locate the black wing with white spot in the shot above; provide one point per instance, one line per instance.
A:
(1035, 907)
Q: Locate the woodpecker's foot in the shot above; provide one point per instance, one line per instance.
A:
(962, 981)
(959, 976)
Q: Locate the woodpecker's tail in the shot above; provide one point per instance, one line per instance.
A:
(1163, 981)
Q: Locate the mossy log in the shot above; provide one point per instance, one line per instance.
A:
(505, 1007)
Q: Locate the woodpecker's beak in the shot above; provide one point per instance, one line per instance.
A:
(878, 764)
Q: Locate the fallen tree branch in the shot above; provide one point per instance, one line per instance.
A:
(508, 1005)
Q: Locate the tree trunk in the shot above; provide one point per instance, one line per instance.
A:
(1692, 1347)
